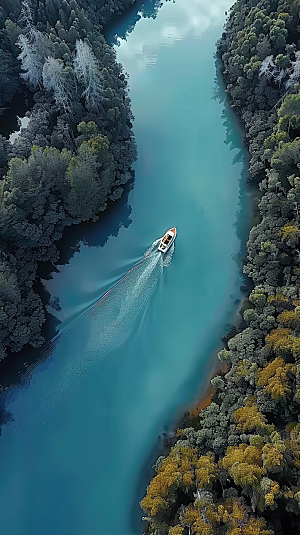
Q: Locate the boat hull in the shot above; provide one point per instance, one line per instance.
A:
(167, 240)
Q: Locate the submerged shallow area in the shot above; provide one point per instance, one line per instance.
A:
(82, 428)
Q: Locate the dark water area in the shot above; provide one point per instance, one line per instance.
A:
(116, 215)
(120, 25)
(21, 103)
(136, 335)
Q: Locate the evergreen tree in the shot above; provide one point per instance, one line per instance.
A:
(56, 78)
(87, 71)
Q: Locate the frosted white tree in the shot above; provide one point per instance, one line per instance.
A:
(35, 48)
(280, 74)
(295, 72)
(267, 67)
(42, 44)
(31, 61)
(87, 71)
(55, 78)
(270, 70)
(26, 17)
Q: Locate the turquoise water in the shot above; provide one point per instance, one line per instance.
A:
(86, 421)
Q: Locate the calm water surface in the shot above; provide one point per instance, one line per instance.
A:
(87, 419)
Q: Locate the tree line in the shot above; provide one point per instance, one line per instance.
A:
(75, 154)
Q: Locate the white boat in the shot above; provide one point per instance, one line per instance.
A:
(167, 240)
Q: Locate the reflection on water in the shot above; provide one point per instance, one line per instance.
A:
(9, 120)
(175, 23)
(22, 123)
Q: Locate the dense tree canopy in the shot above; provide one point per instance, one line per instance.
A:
(74, 155)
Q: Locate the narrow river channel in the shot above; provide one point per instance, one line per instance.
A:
(86, 421)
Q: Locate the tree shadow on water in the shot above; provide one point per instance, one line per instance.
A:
(115, 216)
(235, 139)
(146, 474)
(16, 367)
(121, 25)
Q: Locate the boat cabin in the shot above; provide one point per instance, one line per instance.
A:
(167, 238)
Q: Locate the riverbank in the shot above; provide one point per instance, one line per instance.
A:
(239, 463)
(208, 392)
(81, 130)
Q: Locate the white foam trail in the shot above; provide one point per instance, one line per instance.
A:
(112, 319)
(108, 324)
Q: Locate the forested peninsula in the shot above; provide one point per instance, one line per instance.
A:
(75, 154)
(235, 469)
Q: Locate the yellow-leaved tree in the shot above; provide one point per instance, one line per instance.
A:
(244, 464)
(240, 523)
(206, 471)
(290, 234)
(178, 469)
(249, 418)
(274, 378)
(282, 342)
(175, 530)
(292, 442)
(290, 318)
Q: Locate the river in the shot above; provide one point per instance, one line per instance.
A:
(132, 355)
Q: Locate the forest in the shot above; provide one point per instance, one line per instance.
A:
(75, 154)
(235, 469)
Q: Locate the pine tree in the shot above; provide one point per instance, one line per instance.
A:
(31, 61)
(55, 78)
(35, 48)
(88, 73)
(26, 18)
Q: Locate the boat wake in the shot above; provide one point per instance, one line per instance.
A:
(107, 325)
(112, 318)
